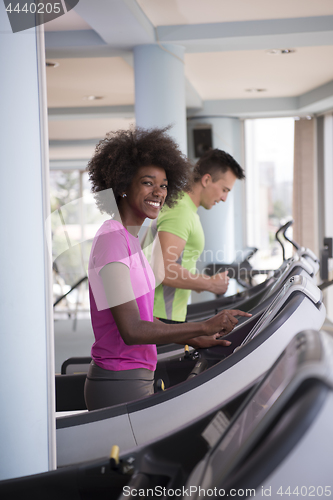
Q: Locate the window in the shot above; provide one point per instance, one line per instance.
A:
(74, 221)
(269, 150)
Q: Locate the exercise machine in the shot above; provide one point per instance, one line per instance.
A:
(198, 382)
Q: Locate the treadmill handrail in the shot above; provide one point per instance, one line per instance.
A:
(294, 244)
(69, 291)
(283, 229)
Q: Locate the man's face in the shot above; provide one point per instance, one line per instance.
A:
(217, 191)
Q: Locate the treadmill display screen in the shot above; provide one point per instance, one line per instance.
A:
(282, 276)
(267, 316)
(224, 455)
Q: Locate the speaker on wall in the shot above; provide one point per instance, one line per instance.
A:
(202, 138)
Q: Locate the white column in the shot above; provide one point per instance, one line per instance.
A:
(27, 423)
(160, 89)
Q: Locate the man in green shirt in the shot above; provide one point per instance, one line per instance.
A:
(182, 238)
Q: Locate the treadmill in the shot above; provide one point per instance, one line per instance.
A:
(279, 442)
(303, 262)
(242, 271)
(274, 444)
(70, 383)
(173, 364)
(70, 386)
(250, 298)
(307, 259)
(207, 378)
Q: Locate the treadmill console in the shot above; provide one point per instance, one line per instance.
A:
(309, 253)
(293, 284)
(309, 355)
(296, 260)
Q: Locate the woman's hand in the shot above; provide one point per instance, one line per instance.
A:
(223, 322)
(208, 341)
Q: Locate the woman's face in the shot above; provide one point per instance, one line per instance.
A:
(147, 192)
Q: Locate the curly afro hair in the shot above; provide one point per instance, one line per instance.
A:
(118, 157)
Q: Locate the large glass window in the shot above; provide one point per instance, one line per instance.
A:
(66, 223)
(269, 147)
(74, 222)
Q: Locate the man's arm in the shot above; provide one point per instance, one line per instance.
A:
(177, 276)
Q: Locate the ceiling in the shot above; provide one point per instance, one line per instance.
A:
(229, 65)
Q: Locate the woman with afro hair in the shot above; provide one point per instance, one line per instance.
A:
(133, 174)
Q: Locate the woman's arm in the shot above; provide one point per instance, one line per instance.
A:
(121, 300)
(204, 342)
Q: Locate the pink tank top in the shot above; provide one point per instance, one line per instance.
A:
(113, 243)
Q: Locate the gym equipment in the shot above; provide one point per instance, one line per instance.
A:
(242, 271)
(230, 372)
(274, 444)
(70, 384)
(250, 298)
(278, 443)
(326, 253)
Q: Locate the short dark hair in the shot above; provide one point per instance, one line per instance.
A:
(216, 161)
(118, 157)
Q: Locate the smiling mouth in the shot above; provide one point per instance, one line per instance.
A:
(155, 204)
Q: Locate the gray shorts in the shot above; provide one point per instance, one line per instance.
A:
(105, 388)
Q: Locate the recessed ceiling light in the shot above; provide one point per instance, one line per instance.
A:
(255, 90)
(280, 52)
(51, 64)
(307, 117)
(93, 97)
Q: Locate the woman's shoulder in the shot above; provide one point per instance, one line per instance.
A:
(110, 244)
(111, 231)
(109, 226)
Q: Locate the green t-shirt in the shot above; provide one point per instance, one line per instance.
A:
(183, 221)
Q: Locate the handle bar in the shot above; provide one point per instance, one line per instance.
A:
(283, 229)
(294, 244)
